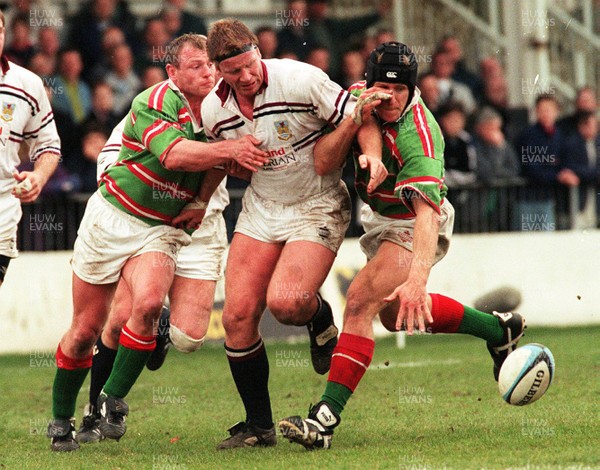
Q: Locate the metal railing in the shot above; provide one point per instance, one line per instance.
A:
(51, 223)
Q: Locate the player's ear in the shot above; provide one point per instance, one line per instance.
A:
(171, 70)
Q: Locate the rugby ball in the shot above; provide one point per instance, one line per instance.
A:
(526, 374)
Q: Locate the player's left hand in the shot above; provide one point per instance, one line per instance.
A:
(189, 218)
(377, 171)
(413, 311)
(28, 185)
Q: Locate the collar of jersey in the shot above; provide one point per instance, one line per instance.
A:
(175, 88)
(4, 64)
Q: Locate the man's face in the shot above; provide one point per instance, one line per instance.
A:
(390, 110)
(243, 73)
(195, 74)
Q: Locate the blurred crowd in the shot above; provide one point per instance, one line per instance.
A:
(103, 56)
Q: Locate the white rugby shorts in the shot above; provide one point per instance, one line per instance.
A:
(204, 257)
(322, 218)
(108, 237)
(10, 214)
(401, 231)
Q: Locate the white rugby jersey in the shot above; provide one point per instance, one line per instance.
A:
(110, 153)
(295, 107)
(25, 117)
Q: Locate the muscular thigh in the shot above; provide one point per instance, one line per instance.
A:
(381, 275)
(301, 270)
(250, 265)
(191, 302)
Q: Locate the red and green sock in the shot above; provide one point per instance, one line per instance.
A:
(353, 353)
(350, 360)
(70, 375)
(132, 355)
(450, 316)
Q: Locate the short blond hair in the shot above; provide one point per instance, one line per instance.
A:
(228, 38)
(174, 47)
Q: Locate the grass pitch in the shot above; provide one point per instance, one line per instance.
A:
(432, 405)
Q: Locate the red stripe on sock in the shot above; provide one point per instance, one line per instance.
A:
(351, 358)
(131, 340)
(68, 363)
(447, 314)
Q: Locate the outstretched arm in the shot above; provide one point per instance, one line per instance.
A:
(190, 155)
(412, 293)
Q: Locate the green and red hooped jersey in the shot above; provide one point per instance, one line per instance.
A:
(413, 154)
(138, 183)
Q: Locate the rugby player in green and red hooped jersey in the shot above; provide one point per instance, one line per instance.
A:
(408, 224)
(132, 231)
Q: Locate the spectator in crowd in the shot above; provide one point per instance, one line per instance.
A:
(85, 161)
(20, 49)
(188, 22)
(39, 10)
(442, 67)
(460, 155)
(112, 37)
(495, 96)
(267, 42)
(89, 24)
(451, 45)
(102, 116)
(122, 79)
(154, 47)
(333, 33)
(285, 54)
(581, 153)
(293, 36)
(353, 68)
(152, 75)
(75, 97)
(366, 44)
(384, 34)
(489, 68)
(320, 57)
(41, 66)
(584, 101)
(496, 159)
(539, 147)
(430, 92)
(48, 46)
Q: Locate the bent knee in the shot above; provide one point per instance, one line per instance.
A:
(288, 311)
(83, 338)
(183, 342)
(358, 302)
(148, 308)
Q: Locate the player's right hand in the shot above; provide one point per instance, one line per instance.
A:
(245, 151)
(377, 171)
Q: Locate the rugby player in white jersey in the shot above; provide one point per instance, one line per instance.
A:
(191, 296)
(131, 231)
(26, 122)
(293, 218)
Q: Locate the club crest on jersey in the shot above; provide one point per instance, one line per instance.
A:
(283, 130)
(7, 111)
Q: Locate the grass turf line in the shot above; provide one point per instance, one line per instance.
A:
(432, 405)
